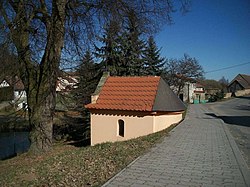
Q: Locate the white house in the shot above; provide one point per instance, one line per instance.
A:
(12, 89)
(66, 83)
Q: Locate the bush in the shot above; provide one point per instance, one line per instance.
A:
(6, 94)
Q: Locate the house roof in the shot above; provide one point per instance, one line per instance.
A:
(199, 85)
(14, 81)
(243, 80)
(149, 93)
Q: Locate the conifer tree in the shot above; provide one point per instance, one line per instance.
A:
(122, 50)
(132, 46)
(153, 63)
(89, 73)
(109, 51)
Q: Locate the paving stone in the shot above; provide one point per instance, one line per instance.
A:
(151, 183)
(198, 152)
(140, 185)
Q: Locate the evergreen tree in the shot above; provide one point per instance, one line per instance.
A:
(89, 73)
(153, 62)
(122, 50)
(132, 47)
(109, 51)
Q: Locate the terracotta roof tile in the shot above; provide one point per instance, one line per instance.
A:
(137, 94)
(127, 93)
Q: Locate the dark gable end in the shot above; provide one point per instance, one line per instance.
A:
(245, 81)
(166, 100)
(242, 80)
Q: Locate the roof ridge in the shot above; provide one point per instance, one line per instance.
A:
(101, 83)
(243, 76)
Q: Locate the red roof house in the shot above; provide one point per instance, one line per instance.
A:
(128, 107)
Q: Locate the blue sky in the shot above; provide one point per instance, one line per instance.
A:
(215, 32)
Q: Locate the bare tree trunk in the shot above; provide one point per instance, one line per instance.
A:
(41, 121)
(43, 104)
(40, 79)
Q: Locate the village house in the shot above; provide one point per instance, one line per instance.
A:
(240, 85)
(123, 108)
(192, 91)
(187, 92)
(199, 94)
(14, 87)
(66, 82)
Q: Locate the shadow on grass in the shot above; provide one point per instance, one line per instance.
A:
(233, 120)
(74, 130)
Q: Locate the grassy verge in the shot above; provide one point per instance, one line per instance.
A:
(67, 165)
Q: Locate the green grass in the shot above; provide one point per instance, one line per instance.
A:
(67, 165)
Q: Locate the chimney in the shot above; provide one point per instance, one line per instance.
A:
(98, 89)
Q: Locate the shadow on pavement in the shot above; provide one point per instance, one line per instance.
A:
(233, 120)
(244, 97)
(243, 107)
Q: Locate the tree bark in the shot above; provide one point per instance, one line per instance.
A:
(39, 79)
(42, 103)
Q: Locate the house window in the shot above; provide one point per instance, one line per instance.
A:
(121, 127)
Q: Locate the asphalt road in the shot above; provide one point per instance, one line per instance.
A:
(236, 115)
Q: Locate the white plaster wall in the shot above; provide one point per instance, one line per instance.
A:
(104, 128)
(186, 93)
(19, 94)
(242, 92)
(164, 121)
(4, 84)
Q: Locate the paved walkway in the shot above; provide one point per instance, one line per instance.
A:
(199, 152)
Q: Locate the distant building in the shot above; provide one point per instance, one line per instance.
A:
(67, 81)
(186, 93)
(240, 82)
(128, 107)
(12, 88)
(199, 94)
(192, 91)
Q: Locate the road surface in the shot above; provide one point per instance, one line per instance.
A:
(236, 115)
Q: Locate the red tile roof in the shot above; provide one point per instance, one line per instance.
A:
(129, 93)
